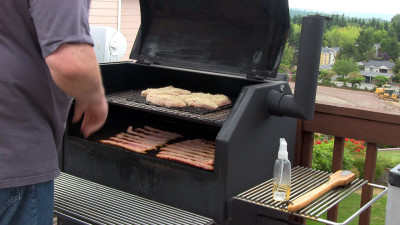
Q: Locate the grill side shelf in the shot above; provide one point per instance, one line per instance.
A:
(132, 99)
(303, 181)
(87, 202)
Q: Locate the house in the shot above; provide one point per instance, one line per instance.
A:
(374, 68)
(328, 56)
(122, 15)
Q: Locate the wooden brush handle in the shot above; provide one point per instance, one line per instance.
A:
(339, 178)
(309, 197)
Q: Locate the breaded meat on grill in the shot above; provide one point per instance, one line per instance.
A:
(169, 90)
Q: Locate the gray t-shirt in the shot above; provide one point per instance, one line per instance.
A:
(33, 110)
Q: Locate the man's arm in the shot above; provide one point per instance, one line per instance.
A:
(75, 70)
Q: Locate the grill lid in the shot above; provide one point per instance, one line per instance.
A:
(240, 37)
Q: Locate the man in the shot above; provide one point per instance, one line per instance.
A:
(46, 58)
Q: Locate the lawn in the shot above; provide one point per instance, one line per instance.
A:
(351, 204)
(395, 155)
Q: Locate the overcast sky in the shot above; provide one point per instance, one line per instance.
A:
(365, 6)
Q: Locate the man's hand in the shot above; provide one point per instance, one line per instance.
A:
(94, 115)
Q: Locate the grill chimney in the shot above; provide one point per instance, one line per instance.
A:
(301, 104)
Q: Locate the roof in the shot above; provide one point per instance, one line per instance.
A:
(378, 64)
(337, 49)
(374, 74)
(330, 50)
(326, 67)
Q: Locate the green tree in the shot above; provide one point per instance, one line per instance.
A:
(354, 78)
(396, 71)
(365, 42)
(287, 60)
(294, 35)
(340, 36)
(392, 32)
(391, 46)
(370, 54)
(379, 35)
(343, 67)
(396, 78)
(348, 51)
(395, 21)
(380, 80)
(325, 76)
(396, 68)
(297, 19)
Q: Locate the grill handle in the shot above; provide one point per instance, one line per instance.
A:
(301, 104)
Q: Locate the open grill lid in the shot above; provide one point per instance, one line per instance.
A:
(241, 37)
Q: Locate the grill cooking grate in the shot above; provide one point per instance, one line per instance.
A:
(303, 181)
(92, 203)
(133, 99)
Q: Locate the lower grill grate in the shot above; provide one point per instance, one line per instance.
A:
(303, 181)
(133, 99)
(91, 203)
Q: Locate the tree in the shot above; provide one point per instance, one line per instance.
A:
(348, 51)
(297, 19)
(343, 67)
(396, 68)
(287, 60)
(294, 35)
(379, 35)
(370, 54)
(392, 32)
(395, 21)
(391, 46)
(396, 71)
(326, 76)
(340, 36)
(365, 42)
(355, 78)
(380, 80)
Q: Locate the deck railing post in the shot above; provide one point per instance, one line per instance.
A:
(308, 146)
(337, 164)
(369, 174)
(304, 146)
(303, 155)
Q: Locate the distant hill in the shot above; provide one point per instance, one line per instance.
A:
(305, 12)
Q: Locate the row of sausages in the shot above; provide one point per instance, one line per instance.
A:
(196, 152)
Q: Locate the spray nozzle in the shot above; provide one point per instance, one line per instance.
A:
(282, 153)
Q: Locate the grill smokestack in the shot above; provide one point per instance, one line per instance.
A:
(301, 104)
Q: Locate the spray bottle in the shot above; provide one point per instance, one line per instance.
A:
(281, 180)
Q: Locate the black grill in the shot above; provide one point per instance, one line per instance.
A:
(220, 51)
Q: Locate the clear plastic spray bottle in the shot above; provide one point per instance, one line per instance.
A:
(282, 168)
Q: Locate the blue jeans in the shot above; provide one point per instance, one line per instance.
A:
(27, 205)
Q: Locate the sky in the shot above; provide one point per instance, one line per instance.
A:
(391, 7)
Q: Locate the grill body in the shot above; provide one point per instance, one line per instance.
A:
(246, 141)
(221, 50)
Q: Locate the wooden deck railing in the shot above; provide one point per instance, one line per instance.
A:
(342, 122)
